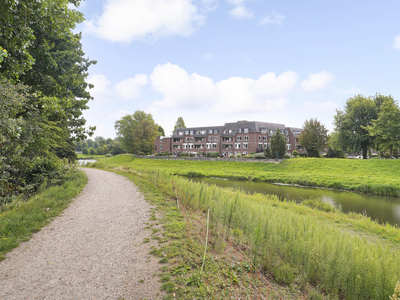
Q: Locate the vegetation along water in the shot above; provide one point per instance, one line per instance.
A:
(345, 255)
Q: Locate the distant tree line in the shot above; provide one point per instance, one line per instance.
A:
(99, 146)
(363, 124)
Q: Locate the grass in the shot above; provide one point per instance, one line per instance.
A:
(20, 219)
(375, 176)
(343, 256)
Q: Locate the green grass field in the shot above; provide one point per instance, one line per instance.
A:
(375, 176)
(344, 256)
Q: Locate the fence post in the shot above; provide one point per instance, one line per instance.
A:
(205, 247)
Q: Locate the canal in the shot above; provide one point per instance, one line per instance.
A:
(380, 208)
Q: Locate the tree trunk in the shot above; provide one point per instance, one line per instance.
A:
(365, 152)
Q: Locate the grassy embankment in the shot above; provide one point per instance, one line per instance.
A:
(342, 255)
(376, 176)
(21, 218)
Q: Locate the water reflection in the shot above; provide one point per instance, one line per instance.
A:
(83, 162)
(380, 208)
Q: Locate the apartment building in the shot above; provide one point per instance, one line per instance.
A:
(242, 137)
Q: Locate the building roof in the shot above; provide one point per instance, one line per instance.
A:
(253, 126)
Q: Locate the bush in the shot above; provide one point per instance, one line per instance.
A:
(109, 155)
(295, 153)
(248, 156)
(212, 154)
(164, 153)
(259, 155)
(91, 151)
(183, 155)
(85, 151)
(238, 155)
(303, 154)
(231, 156)
(286, 156)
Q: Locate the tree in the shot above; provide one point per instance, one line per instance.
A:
(278, 144)
(137, 132)
(267, 152)
(314, 137)
(179, 124)
(161, 131)
(351, 122)
(386, 128)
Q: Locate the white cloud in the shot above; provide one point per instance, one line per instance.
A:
(241, 12)
(317, 81)
(230, 96)
(130, 88)
(325, 107)
(179, 88)
(126, 20)
(236, 2)
(100, 92)
(396, 43)
(273, 19)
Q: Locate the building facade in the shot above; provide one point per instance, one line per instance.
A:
(242, 137)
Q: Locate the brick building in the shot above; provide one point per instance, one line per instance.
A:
(242, 137)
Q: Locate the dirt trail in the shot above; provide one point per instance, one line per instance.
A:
(93, 250)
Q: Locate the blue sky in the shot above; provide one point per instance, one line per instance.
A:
(217, 61)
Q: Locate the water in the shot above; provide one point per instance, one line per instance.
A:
(380, 208)
(83, 162)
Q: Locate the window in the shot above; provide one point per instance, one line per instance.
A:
(287, 139)
(208, 145)
(286, 132)
(184, 146)
(191, 132)
(246, 137)
(186, 139)
(187, 132)
(191, 139)
(245, 145)
(155, 147)
(289, 146)
(266, 145)
(240, 130)
(177, 140)
(210, 131)
(215, 131)
(214, 146)
(259, 137)
(260, 145)
(264, 138)
(239, 138)
(190, 146)
(237, 145)
(180, 133)
(210, 138)
(215, 139)
(264, 130)
(246, 130)
(161, 146)
(161, 140)
(245, 153)
(177, 146)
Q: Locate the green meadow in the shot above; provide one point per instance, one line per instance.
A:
(343, 256)
(375, 176)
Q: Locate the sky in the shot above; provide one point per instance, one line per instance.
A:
(218, 61)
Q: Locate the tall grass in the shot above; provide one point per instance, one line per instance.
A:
(336, 260)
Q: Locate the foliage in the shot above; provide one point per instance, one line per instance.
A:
(396, 295)
(259, 155)
(278, 144)
(212, 154)
(267, 152)
(351, 122)
(161, 131)
(386, 128)
(164, 153)
(334, 153)
(295, 153)
(314, 137)
(286, 156)
(180, 123)
(137, 132)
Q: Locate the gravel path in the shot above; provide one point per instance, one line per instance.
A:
(93, 250)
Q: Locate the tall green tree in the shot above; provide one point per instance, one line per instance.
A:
(180, 123)
(314, 137)
(161, 131)
(137, 132)
(386, 128)
(278, 144)
(351, 122)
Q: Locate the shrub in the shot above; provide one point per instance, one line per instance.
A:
(164, 153)
(295, 153)
(259, 155)
(212, 154)
(248, 156)
(109, 155)
(231, 156)
(286, 156)
(303, 154)
(85, 151)
(91, 151)
(238, 155)
(183, 155)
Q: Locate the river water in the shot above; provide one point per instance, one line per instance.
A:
(380, 208)
(83, 162)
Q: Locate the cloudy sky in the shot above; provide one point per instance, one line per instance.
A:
(217, 61)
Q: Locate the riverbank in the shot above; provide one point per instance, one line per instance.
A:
(336, 253)
(375, 176)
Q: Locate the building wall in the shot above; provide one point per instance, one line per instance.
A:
(230, 139)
